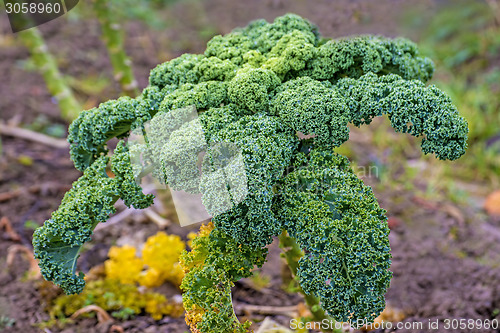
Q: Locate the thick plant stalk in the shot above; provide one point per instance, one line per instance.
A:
(46, 64)
(112, 35)
(495, 8)
(292, 253)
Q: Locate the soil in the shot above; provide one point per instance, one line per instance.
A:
(446, 258)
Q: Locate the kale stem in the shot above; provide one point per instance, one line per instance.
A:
(292, 253)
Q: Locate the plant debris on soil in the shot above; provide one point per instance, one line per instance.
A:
(446, 261)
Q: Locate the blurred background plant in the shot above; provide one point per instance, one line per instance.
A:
(147, 11)
(463, 39)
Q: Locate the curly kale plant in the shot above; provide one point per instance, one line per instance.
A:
(282, 97)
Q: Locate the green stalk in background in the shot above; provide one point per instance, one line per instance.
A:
(112, 35)
(46, 64)
(495, 8)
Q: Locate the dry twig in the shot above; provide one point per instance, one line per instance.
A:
(9, 230)
(102, 315)
(156, 218)
(33, 136)
(116, 328)
(290, 311)
(34, 271)
(116, 218)
(449, 209)
(45, 187)
(149, 212)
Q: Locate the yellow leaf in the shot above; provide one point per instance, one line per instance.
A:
(492, 204)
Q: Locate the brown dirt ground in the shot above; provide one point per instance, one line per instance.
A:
(446, 261)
